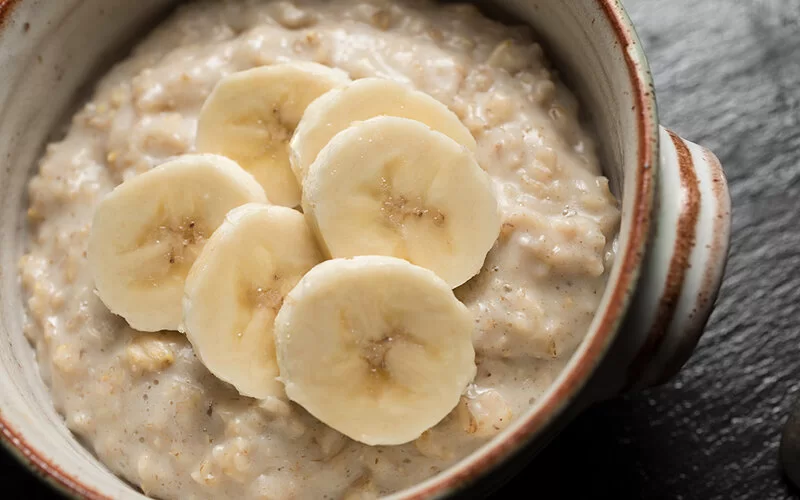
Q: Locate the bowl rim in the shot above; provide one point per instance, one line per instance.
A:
(584, 363)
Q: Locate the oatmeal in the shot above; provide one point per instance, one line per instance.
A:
(144, 402)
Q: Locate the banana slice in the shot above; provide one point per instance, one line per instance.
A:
(148, 231)
(375, 347)
(392, 186)
(237, 286)
(250, 117)
(362, 100)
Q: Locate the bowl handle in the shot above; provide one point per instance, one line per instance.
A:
(684, 266)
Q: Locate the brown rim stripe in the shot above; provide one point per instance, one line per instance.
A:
(678, 266)
(719, 248)
(717, 252)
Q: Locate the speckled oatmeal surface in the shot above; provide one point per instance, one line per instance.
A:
(143, 401)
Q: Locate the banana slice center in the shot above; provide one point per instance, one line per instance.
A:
(378, 355)
(174, 243)
(398, 209)
(261, 297)
(401, 213)
(271, 132)
(374, 352)
(260, 301)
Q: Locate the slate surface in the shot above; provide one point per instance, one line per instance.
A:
(728, 76)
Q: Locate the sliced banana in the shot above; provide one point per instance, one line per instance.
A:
(362, 100)
(393, 186)
(148, 231)
(375, 347)
(250, 117)
(235, 289)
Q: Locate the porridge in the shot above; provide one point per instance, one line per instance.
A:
(147, 402)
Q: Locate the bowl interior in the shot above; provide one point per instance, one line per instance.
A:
(50, 53)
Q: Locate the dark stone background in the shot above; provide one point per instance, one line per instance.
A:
(728, 77)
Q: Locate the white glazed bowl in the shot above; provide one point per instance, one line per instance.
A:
(672, 244)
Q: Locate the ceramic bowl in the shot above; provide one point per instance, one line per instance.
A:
(672, 245)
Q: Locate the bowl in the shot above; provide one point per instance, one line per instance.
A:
(672, 244)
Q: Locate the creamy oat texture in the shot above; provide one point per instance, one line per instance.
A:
(150, 409)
